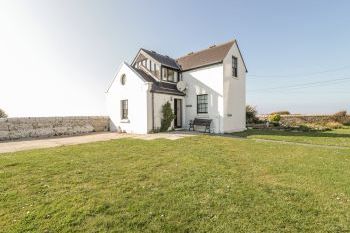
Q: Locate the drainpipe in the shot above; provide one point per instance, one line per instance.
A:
(152, 111)
(150, 86)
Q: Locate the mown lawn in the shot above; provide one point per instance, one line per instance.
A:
(195, 184)
(337, 137)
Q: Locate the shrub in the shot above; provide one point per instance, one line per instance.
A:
(333, 125)
(168, 117)
(251, 113)
(274, 118)
(339, 117)
(280, 113)
(2, 113)
(340, 113)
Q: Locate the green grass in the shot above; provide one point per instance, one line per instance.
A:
(336, 137)
(195, 184)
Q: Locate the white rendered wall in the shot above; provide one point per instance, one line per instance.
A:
(208, 80)
(135, 91)
(234, 93)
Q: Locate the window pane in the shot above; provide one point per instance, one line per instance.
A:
(157, 70)
(170, 75)
(164, 74)
(175, 76)
(148, 64)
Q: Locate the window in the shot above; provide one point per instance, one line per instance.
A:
(164, 74)
(157, 70)
(123, 79)
(169, 75)
(234, 67)
(124, 109)
(148, 64)
(202, 103)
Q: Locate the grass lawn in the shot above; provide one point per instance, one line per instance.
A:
(195, 184)
(337, 137)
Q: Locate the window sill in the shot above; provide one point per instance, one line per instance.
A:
(125, 121)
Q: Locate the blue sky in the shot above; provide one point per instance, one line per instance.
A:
(58, 57)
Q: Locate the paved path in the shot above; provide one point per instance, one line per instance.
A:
(13, 146)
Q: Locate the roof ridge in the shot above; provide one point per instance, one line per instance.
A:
(211, 47)
(152, 51)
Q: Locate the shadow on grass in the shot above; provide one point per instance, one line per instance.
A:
(268, 132)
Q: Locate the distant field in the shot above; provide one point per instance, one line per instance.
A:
(195, 184)
(337, 137)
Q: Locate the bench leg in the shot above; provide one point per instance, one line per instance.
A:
(207, 128)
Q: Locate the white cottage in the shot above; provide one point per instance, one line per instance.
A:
(209, 84)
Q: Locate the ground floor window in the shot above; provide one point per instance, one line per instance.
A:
(124, 109)
(202, 103)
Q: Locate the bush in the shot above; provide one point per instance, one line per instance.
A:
(341, 113)
(339, 117)
(168, 117)
(274, 118)
(280, 113)
(2, 113)
(333, 125)
(251, 113)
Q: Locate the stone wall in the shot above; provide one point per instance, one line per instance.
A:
(32, 127)
(306, 118)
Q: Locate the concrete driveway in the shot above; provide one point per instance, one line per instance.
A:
(19, 145)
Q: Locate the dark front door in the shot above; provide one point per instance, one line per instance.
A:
(178, 113)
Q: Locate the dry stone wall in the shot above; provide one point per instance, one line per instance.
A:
(32, 127)
(306, 118)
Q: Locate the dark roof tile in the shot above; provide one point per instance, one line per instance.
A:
(165, 60)
(159, 87)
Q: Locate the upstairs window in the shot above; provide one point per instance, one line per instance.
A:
(169, 75)
(124, 109)
(148, 64)
(157, 70)
(164, 74)
(234, 67)
(202, 103)
(123, 79)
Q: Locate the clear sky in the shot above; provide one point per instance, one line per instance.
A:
(58, 57)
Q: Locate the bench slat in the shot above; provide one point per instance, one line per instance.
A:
(201, 122)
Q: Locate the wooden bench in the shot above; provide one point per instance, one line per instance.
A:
(200, 122)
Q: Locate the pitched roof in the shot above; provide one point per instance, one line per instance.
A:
(159, 87)
(212, 55)
(165, 60)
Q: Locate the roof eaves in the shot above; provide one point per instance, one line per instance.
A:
(246, 70)
(115, 76)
